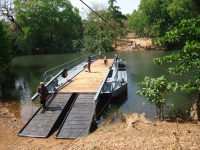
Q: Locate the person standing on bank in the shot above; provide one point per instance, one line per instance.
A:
(89, 63)
(42, 91)
(100, 54)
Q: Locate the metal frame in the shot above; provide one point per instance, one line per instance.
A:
(69, 65)
(54, 76)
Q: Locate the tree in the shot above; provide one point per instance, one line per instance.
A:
(156, 17)
(97, 35)
(7, 13)
(5, 54)
(137, 22)
(188, 59)
(44, 23)
(117, 17)
(153, 89)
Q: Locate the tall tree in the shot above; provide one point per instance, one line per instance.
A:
(159, 16)
(47, 21)
(5, 54)
(116, 15)
(97, 34)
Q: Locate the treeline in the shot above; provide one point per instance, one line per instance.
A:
(156, 17)
(171, 23)
(55, 26)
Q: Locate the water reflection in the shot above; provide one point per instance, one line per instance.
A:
(9, 91)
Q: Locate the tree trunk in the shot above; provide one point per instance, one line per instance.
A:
(115, 38)
(194, 107)
(158, 115)
(163, 116)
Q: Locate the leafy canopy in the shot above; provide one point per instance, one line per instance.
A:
(5, 54)
(152, 89)
(188, 59)
(47, 21)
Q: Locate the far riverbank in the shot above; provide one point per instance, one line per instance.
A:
(134, 43)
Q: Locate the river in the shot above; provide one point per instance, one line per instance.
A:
(18, 85)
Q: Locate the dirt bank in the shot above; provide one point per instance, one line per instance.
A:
(130, 135)
(134, 43)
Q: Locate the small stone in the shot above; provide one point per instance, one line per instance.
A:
(188, 131)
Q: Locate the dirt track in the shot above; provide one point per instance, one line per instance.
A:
(144, 44)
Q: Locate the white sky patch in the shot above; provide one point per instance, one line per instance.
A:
(127, 6)
(103, 1)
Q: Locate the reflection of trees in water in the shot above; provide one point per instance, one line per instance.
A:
(13, 87)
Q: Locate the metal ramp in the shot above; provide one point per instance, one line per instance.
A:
(78, 121)
(43, 123)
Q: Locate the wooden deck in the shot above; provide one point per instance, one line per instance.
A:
(88, 82)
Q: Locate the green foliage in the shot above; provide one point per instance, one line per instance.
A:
(186, 30)
(116, 18)
(95, 43)
(45, 22)
(155, 17)
(188, 59)
(154, 88)
(5, 53)
(137, 22)
(114, 13)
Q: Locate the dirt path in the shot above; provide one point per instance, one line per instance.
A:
(135, 43)
(118, 136)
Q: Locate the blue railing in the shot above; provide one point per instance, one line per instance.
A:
(71, 65)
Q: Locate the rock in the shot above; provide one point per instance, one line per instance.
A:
(188, 131)
(135, 118)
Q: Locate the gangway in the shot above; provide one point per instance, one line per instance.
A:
(43, 123)
(78, 122)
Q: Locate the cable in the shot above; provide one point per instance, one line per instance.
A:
(99, 16)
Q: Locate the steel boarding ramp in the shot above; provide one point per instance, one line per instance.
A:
(77, 122)
(42, 123)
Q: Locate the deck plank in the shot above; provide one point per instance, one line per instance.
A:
(88, 82)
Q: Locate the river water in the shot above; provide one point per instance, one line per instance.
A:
(18, 85)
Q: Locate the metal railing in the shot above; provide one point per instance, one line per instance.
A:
(71, 65)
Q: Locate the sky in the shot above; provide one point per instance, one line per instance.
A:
(127, 6)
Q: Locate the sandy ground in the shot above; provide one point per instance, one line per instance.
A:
(144, 44)
(118, 136)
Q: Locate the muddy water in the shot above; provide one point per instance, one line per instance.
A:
(18, 85)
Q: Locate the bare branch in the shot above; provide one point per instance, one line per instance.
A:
(7, 12)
